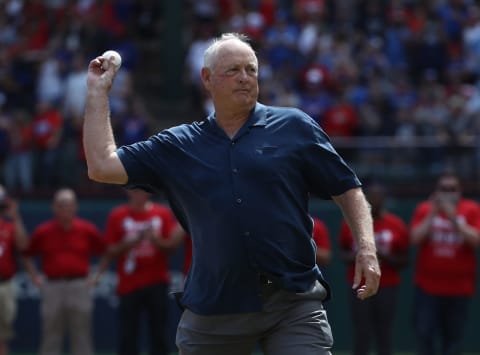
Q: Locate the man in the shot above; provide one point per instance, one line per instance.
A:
(65, 245)
(374, 318)
(135, 234)
(446, 229)
(13, 238)
(239, 184)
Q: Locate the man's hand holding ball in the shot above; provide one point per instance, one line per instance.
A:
(112, 57)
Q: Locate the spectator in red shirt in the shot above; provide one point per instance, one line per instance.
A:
(340, 120)
(321, 237)
(446, 229)
(65, 244)
(136, 234)
(47, 130)
(374, 318)
(13, 238)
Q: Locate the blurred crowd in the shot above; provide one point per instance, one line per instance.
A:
(402, 69)
(45, 47)
(395, 83)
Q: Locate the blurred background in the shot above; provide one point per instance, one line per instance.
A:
(395, 84)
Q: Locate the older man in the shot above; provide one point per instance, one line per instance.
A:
(13, 239)
(239, 183)
(65, 244)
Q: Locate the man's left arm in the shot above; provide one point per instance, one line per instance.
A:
(356, 211)
(21, 236)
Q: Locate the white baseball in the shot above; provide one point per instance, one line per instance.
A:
(117, 59)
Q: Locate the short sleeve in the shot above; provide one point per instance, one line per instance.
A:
(326, 172)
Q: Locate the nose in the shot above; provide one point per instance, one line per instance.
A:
(242, 75)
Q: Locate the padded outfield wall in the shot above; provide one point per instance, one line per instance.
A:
(28, 321)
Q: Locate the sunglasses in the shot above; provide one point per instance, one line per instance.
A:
(448, 188)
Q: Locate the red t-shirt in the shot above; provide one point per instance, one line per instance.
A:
(391, 237)
(340, 121)
(66, 252)
(7, 249)
(445, 264)
(45, 126)
(320, 234)
(144, 264)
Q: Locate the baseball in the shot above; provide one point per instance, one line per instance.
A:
(117, 59)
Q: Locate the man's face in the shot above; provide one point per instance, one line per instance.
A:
(233, 79)
(65, 206)
(448, 188)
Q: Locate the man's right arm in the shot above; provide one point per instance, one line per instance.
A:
(103, 162)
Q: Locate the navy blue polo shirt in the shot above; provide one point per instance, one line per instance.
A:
(243, 200)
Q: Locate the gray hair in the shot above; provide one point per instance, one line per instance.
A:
(211, 52)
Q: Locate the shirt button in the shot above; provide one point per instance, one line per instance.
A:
(239, 200)
(235, 170)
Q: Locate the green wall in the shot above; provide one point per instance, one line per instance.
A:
(35, 212)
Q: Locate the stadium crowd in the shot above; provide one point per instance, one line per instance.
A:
(401, 74)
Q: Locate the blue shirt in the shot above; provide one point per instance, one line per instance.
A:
(243, 200)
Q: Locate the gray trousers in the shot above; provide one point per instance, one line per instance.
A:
(66, 308)
(290, 324)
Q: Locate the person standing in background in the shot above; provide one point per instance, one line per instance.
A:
(65, 244)
(13, 238)
(374, 318)
(137, 235)
(321, 237)
(446, 230)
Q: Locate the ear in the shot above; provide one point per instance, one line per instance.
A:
(206, 77)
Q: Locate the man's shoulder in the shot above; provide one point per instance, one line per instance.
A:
(119, 210)
(45, 226)
(161, 208)
(286, 112)
(185, 129)
(83, 224)
(393, 218)
(469, 204)
(288, 117)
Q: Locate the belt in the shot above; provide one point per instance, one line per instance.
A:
(66, 278)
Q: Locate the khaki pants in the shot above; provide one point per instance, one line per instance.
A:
(66, 308)
(290, 324)
(8, 310)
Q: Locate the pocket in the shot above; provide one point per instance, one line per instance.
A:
(266, 150)
(316, 292)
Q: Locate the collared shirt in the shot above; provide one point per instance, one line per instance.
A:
(243, 200)
(66, 252)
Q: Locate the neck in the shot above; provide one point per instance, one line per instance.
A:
(140, 206)
(231, 122)
(65, 223)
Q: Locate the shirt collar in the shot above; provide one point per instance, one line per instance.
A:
(257, 118)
